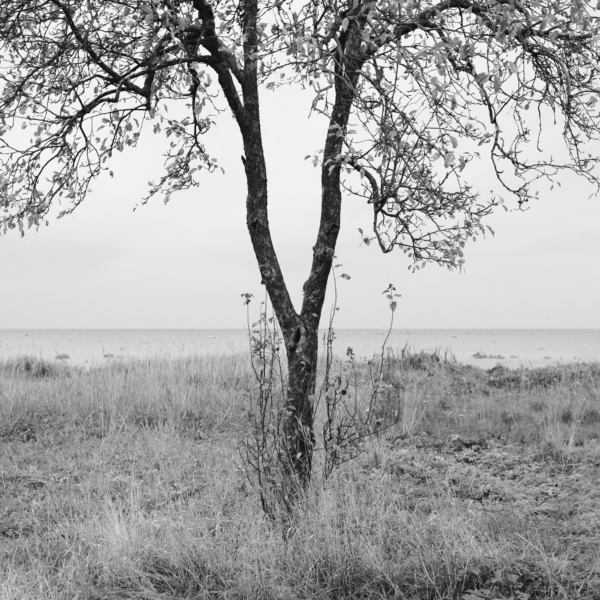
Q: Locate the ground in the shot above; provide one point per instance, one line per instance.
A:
(127, 481)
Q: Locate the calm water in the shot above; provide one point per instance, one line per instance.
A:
(534, 347)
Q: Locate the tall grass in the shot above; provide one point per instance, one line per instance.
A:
(123, 481)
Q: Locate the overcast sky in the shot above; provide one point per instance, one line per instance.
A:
(185, 265)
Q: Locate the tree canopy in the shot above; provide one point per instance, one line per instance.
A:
(428, 83)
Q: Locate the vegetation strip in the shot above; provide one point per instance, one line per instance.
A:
(121, 482)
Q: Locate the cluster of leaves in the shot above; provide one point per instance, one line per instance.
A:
(411, 88)
(431, 83)
(80, 79)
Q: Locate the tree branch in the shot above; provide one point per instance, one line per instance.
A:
(85, 45)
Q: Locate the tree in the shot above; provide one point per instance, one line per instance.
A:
(411, 90)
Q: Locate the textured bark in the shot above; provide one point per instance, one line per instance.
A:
(349, 61)
(301, 342)
(300, 330)
(302, 356)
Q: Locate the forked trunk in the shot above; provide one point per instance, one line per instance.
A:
(300, 330)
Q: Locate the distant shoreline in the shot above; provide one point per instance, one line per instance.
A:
(481, 347)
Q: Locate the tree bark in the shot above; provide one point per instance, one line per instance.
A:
(302, 355)
(300, 338)
(300, 330)
(301, 341)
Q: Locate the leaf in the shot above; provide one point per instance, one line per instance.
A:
(393, 305)
(344, 276)
(345, 24)
(497, 83)
(449, 159)
(482, 78)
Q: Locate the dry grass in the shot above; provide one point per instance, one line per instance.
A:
(121, 482)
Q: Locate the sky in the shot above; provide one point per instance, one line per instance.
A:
(186, 264)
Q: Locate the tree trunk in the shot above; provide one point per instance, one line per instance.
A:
(301, 339)
(302, 355)
(300, 330)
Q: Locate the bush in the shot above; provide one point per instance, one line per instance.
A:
(31, 366)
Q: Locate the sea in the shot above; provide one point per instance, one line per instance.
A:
(482, 347)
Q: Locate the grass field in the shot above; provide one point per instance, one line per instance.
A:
(124, 481)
